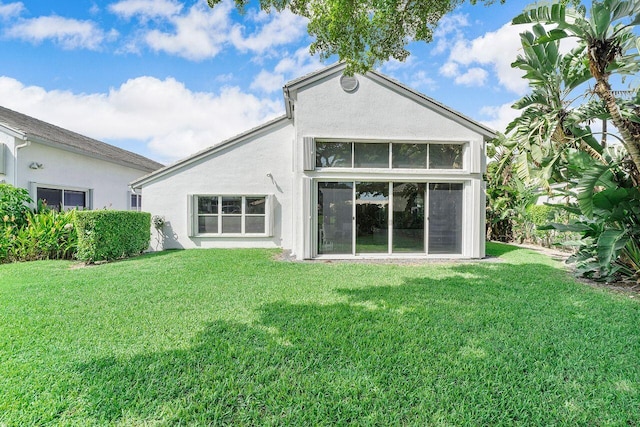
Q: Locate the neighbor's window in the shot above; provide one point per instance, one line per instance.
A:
(231, 215)
(384, 155)
(135, 202)
(62, 199)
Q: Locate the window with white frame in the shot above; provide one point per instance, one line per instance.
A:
(63, 198)
(135, 202)
(389, 155)
(231, 215)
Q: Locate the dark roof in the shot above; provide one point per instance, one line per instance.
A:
(46, 133)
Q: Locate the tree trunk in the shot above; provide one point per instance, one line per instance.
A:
(629, 130)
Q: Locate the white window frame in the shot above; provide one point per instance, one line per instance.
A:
(463, 144)
(138, 207)
(268, 215)
(88, 194)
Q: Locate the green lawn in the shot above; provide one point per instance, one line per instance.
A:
(233, 337)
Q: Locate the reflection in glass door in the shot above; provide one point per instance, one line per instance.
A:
(408, 217)
(445, 218)
(335, 218)
(372, 217)
(353, 218)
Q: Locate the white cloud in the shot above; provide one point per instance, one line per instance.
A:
(10, 10)
(448, 31)
(499, 116)
(200, 32)
(171, 120)
(145, 9)
(496, 49)
(421, 79)
(450, 69)
(68, 33)
(296, 65)
(198, 35)
(282, 28)
(267, 81)
(472, 77)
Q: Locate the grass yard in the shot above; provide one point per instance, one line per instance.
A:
(234, 337)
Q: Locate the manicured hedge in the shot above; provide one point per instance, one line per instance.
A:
(108, 235)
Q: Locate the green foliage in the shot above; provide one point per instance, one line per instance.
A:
(507, 198)
(46, 235)
(364, 33)
(13, 205)
(607, 44)
(25, 236)
(109, 235)
(610, 229)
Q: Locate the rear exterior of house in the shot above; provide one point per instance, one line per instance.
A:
(66, 169)
(358, 167)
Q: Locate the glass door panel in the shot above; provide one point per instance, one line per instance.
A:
(445, 218)
(408, 217)
(335, 218)
(372, 215)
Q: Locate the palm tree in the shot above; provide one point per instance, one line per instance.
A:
(607, 38)
(545, 138)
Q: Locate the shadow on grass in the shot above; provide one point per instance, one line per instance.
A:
(499, 248)
(464, 350)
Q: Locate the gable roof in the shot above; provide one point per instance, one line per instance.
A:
(32, 129)
(294, 85)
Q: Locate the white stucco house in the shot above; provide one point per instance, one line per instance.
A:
(358, 166)
(67, 169)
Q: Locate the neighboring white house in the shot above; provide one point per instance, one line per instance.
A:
(65, 168)
(358, 166)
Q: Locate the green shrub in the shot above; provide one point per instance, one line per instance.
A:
(14, 205)
(108, 235)
(541, 214)
(45, 235)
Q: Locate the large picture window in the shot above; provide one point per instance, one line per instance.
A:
(231, 215)
(385, 155)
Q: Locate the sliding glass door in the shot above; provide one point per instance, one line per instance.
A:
(372, 217)
(445, 218)
(389, 217)
(408, 217)
(335, 218)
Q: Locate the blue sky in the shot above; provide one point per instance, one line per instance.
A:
(166, 78)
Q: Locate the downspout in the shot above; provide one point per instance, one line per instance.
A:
(15, 161)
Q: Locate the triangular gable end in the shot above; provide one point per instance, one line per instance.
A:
(291, 88)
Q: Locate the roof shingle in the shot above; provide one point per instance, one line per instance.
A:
(44, 132)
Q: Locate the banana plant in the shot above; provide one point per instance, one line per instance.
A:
(606, 35)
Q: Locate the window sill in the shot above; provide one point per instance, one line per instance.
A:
(230, 235)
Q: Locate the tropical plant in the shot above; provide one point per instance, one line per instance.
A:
(46, 235)
(552, 142)
(508, 197)
(607, 46)
(609, 223)
(14, 206)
